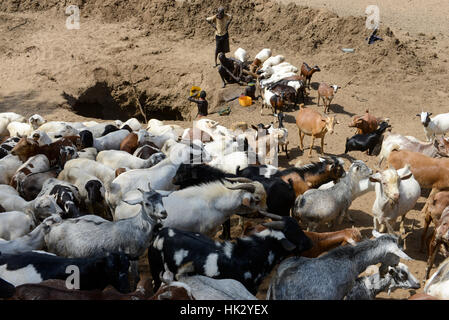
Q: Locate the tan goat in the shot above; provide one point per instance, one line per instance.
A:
(429, 172)
(312, 123)
(327, 93)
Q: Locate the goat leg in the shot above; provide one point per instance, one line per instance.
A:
(311, 146)
(427, 221)
(226, 231)
(301, 137)
(322, 145)
(429, 200)
(134, 270)
(433, 249)
(286, 151)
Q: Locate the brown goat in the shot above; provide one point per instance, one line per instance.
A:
(422, 296)
(366, 123)
(436, 207)
(327, 93)
(429, 172)
(57, 290)
(173, 291)
(311, 175)
(254, 67)
(277, 102)
(322, 241)
(312, 123)
(439, 241)
(325, 241)
(130, 143)
(119, 171)
(27, 148)
(147, 150)
(307, 72)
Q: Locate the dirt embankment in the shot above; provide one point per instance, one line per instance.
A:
(130, 78)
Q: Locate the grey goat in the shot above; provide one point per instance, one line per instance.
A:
(368, 287)
(332, 275)
(319, 206)
(91, 235)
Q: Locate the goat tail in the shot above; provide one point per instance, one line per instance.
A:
(386, 151)
(395, 147)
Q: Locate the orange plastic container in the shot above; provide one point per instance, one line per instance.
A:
(245, 101)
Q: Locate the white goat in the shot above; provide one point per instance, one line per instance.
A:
(204, 208)
(12, 116)
(102, 172)
(160, 176)
(263, 55)
(272, 61)
(31, 241)
(275, 78)
(121, 159)
(396, 194)
(436, 125)
(8, 167)
(58, 129)
(241, 54)
(35, 164)
(41, 207)
(229, 162)
(91, 189)
(133, 123)
(88, 153)
(19, 129)
(206, 288)
(15, 224)
(41, 137)
(111, 141)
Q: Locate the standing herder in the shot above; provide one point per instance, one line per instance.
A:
(222, 21)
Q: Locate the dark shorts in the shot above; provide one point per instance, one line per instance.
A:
(222, 43)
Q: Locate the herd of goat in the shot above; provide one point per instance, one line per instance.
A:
(99, 196)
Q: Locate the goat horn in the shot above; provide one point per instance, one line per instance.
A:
(270, 215)
(240, 179)
(276, 225)
(244, 186)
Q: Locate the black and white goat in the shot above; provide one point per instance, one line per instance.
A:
(94, 273)
(247, 259)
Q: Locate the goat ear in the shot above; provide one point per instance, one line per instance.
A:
(407, 176)
(401, 254)
(287, 245)
(374, 179)
(418, 115)
(254, 127)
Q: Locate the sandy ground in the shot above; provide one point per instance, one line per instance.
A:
(41, 59)
(413, 16)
